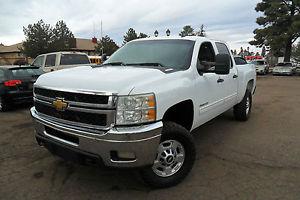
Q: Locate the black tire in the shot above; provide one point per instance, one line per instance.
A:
(240, 110)
(3, 105)
(174, 132)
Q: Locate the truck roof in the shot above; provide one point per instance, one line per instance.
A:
(192, 38)
(63, 52)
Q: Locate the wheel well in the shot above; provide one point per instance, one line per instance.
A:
(250, 85)
(181, 113)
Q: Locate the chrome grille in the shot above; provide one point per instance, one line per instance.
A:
(85, 109)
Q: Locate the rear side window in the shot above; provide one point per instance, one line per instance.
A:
(2, 75)
(28, 72)
(38, 62)
(222, 49)
(240, 61)
(50, 60)
(74, 59)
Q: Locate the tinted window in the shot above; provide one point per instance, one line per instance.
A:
(258, 62)
(240, 61)
(25, 72)
(50, 60)
(206, 57)
(73, 59)
(38, 62)
(222, 49)
(285, 64)
(175, 54)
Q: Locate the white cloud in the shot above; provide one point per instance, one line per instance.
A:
(231, 20)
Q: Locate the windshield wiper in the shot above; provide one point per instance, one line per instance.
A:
(113, 64)
(148, 64)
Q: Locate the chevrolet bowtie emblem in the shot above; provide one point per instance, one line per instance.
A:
(60, 104)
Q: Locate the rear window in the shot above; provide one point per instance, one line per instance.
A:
(285, 64)
(240, 61)
(74, 59)
(26, 72)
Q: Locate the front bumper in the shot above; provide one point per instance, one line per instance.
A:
(109, 146)
(282, 73)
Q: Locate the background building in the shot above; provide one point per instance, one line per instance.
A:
(10, 55)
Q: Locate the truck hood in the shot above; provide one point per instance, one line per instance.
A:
(112, 79)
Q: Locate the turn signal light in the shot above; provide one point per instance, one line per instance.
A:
(12, 83)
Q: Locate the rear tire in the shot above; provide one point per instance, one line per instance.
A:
(175, 157)
(3, 105)
(242, 110)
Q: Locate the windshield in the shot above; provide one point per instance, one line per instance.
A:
(26, 72)
(285, 64)
(175, 54)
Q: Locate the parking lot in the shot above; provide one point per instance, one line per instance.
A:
(257, 159)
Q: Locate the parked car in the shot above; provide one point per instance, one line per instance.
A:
(297, 70)
(16, 85)
(139, 108)
(60, 60)
(261, 66)
(240, 60)
(285, 68)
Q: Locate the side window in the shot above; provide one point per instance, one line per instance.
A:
(206, 57)
(222, 49)
(50, 60)
(240, 61)
(38, 62)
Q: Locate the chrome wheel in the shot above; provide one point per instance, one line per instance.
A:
(247, 105)
(170, 158)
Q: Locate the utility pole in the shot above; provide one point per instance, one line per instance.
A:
(101, 32)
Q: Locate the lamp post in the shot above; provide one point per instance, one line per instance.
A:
(168, 32)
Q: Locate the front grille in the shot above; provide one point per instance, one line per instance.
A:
(73, 116)
(61, 135)
(71, 96)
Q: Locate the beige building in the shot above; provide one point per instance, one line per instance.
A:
(10, 55)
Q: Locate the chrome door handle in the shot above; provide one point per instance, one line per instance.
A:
(235, 76)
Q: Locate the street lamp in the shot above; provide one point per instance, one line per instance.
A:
(156, 33)
(168, 32)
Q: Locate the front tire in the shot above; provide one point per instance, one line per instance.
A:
(242, 110)
(175, 157)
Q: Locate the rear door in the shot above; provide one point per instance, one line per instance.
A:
(229, 82)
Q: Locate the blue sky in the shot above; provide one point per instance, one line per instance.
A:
(231, 20)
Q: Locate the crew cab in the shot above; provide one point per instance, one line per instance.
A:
(138, 109)
(60, 60)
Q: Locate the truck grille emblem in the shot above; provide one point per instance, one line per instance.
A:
(59, 104)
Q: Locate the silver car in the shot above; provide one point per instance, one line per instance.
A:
(261, 66)
(286, 68)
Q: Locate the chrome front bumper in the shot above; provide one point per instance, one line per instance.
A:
(139, 142)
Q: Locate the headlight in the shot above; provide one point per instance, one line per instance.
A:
(136, 109)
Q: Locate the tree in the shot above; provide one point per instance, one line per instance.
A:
(130, 35)
(108, 45)
(187, 31)
(201, 32)
(281, 26)
(143, 35)
(42, 38)
(62, 38)
(37, 39)
(296, 52)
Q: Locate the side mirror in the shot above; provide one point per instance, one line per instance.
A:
(103, 57)
(222, 64)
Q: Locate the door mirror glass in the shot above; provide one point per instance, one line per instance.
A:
(222, 64)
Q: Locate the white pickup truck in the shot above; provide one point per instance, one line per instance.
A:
(60, 60)
(138, 109)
